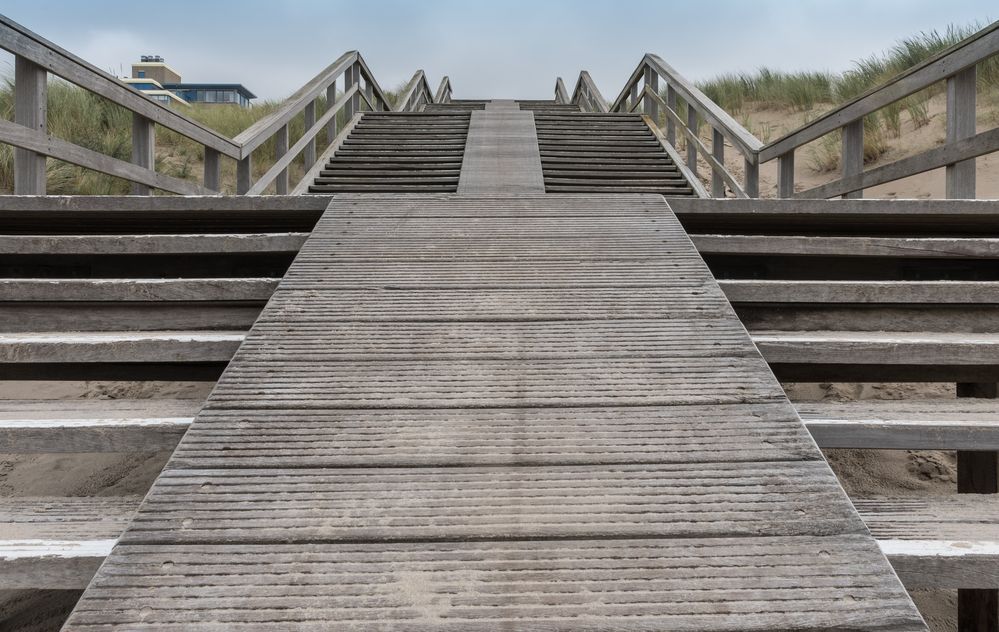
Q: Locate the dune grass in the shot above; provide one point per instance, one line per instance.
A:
(817, 91)
(90, 121)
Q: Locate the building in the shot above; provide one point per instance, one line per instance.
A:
(153, 77)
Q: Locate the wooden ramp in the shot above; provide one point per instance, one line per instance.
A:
(505, 412)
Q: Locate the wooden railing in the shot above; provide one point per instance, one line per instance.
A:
(643, 91)
(956, 66)
(443, 94)
(35, 57)
(585, 94)
(675, 105)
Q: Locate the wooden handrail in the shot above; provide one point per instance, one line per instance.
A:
(26, 44)
(965, 54)
(415, 92)
(262, 130)
(561, 96)
(443, 94)
(587, 96)
(35, 57)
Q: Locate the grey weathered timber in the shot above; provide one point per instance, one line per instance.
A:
(143, 148)
(961, 99)
(116, 425)
(941, 543)
(30, 110)
(962, 55)
(46, 145)
(938, 424)
(213, 170)
(280, 149)
(852, 157)
(501, 152)
(58, 543)
(447, 402)
(785, 175)
(308, 120)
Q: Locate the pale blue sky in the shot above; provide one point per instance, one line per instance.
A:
(504, 49)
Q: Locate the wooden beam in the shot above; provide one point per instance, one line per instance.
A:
(31, 111)
(38, 142)
(143, 149)
(213, 170)
(853, 153)
(961, 112)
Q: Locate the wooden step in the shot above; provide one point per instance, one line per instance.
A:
(58, 543)
(944, 542)
(912, 424)
(113, 425)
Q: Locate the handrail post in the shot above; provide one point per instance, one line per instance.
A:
(718, 151)
(244, 170)
(853, 153)
(331, 128)
(652, 82)
(369, 91)
(634, 96)
(213, 169)
(352, 78)
(280, 149)
(691, 147)
(785, 175)
(670, 124)
(751, 184)
(961, 182)
(143, 148)
(309, 119)
(30, 110)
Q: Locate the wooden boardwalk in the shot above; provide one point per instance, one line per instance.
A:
(497, 409)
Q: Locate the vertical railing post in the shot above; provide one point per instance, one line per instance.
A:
(143, 148)
(961, 124)
(634, 96)
(309, 119)
(213, 169)
(718, 151)
(785, 175)
(369, 91)
(244, 169)
(692, 125)
(331, 127)
(351, 78)
(652, 82)
(280, 149)
(751, 185)
(670, 123)
(31, 111)
(852, 157)
(977, 473)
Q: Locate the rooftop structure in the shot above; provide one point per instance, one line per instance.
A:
(153, 77)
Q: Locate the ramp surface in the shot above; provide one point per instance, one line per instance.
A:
(501, 153)
(497, 412)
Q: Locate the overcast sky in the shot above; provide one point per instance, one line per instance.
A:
(495, 48)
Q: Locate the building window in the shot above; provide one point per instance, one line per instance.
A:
(142, 74)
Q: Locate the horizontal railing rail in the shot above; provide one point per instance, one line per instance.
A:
(957, 67)
(643, 90)
(443, 94)
(671, 101)
(416, 94)
(586, 95)
(36, 57)
(561, 96)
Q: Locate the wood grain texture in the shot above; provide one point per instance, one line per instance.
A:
(486, 398)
